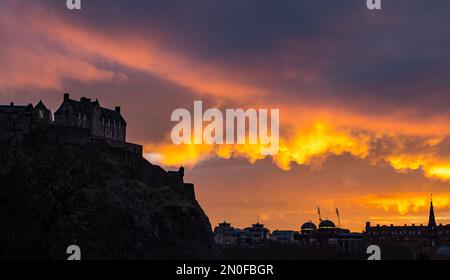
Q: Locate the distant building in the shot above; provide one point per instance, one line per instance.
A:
(328, 234)
(420, 235)
(285, 235)
(308, 228)
(100, 122)
(258, 231)
(225, 234)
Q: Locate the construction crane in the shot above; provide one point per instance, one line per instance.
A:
(320, 217)
(339, 218)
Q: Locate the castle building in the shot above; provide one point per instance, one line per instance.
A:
(421, 235)
(85, 121)
(16, 121)
(101, 122)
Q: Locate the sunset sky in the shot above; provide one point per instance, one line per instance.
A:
(364, 96)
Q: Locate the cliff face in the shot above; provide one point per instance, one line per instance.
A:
(109, 203)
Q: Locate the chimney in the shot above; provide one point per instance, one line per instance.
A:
(118, 109)
(66, 96)
(12, 104)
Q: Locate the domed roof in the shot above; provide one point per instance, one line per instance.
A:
(327, 224)
(308, 226)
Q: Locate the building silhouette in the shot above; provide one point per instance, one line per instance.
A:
(225, 235)
(78, 122)
(18, 120)
(431, 234)
(100, 122)
(309, 235)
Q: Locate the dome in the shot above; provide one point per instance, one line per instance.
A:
(308, 227)
(327, 224)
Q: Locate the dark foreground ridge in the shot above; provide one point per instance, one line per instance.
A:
(107, 200)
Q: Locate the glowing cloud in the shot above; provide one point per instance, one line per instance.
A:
(406, 203)
(309, 145)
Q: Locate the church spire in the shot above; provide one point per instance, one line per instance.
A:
(431, 219)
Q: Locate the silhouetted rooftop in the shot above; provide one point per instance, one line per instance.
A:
(15, 108)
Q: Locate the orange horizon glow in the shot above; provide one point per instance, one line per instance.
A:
(398, 209)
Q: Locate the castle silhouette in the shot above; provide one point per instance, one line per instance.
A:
(85, 120)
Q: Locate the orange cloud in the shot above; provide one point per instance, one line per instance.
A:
(317, 142)
(305, 147)
(406, 203)
(432, 165)
(312, 144)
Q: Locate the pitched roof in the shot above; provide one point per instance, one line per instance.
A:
(15, 108)
(40, 106)
(111, 114)
(87, 105)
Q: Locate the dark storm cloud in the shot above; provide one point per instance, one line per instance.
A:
(214, 29)
(327, 52)
(393, 57)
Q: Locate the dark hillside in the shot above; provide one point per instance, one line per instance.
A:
(112, 205)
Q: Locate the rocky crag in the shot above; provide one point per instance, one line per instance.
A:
(58, 189)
